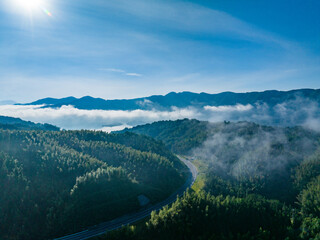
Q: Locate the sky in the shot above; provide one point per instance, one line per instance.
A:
(125, 49)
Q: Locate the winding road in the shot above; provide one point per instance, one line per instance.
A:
(102, 228)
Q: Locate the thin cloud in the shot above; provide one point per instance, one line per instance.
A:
(134, 74)
(113, 70)
(121, 71)
(194, 18)
(238, 107)
(115, 128)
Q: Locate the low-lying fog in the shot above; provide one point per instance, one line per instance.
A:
(300, 111)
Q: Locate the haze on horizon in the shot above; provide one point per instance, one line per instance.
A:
(124, 49)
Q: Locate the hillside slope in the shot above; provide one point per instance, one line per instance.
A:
(239, 158)
(68, 180)
(255, 182)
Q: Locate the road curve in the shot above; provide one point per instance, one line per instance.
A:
(102, 228)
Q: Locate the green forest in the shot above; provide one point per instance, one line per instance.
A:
(57, 182)
(255, 182)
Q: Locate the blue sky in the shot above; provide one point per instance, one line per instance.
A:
(125, 49)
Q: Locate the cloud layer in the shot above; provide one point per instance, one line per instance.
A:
(299, 111)
(68, 117)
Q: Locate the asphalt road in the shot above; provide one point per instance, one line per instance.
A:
(102, 228)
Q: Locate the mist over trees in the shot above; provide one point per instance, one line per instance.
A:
(251, 177)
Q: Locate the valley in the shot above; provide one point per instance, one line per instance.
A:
(159, 120)
(161, 180)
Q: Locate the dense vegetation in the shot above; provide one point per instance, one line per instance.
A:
(179, 136)
(203, 216)
(57, 182)
(258, 182)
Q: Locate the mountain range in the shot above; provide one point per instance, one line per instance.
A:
(10, 123)
(181, 100)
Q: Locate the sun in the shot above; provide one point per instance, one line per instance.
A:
(28, 5)
(31, 7)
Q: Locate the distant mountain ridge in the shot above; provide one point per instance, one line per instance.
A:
(54, 101)
(10, 123)
(181, 100)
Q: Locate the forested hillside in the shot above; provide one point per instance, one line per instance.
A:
(198, 216)
(202, 216)
(57, 182)
(18, 124)
(256, 182)
(239, 158)
(185, 135)
(179, 136)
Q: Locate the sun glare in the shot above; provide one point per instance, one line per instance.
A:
(29, 5)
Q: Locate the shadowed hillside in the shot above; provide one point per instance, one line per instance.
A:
(58, 182)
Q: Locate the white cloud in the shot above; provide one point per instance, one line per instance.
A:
(68, 117)
(145, 103)
(238, 108)
(121, 71)
(112, 70)
(115, 128)
(134, 74)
